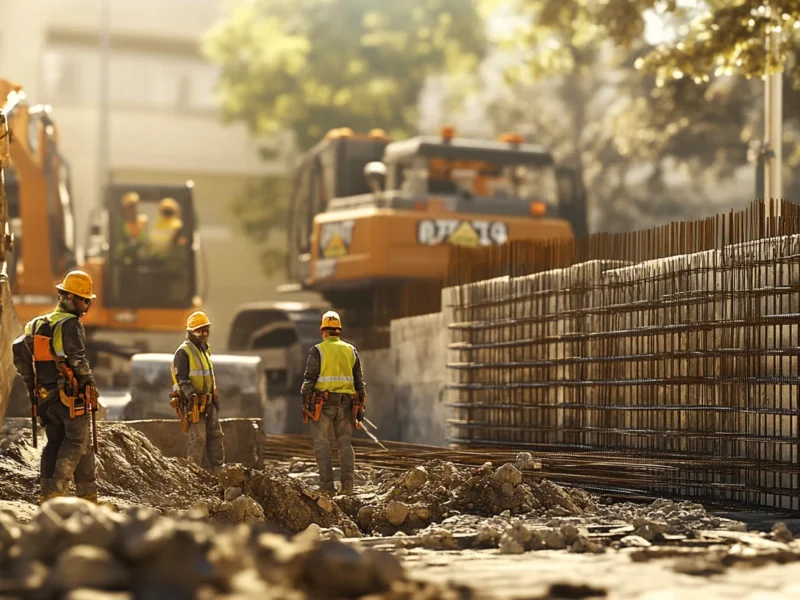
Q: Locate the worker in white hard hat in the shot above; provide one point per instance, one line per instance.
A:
(194, 394)
(333, 392)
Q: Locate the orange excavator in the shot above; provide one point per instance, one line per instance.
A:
(143, 297)
(371, 223)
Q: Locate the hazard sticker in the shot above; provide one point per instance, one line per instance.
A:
(335, 239)
(433, 232)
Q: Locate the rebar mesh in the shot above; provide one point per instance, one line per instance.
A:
(678, 343)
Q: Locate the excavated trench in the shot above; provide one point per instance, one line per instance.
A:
(168, 531)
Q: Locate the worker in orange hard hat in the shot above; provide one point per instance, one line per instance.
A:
(134, 235)
(334, 393)
(165, 236)
(194, 393)
(50, 357)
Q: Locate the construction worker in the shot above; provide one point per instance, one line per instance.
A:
(333, 392)
(134, 235)
(165, 235)
(195, 395)
(51, 359)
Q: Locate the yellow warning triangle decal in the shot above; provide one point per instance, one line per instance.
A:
(335, 247)
(464, 235)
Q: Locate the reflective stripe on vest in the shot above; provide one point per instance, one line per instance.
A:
(201, 369)
(56, 320)
(337, 359)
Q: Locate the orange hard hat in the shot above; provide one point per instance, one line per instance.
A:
(78, 283)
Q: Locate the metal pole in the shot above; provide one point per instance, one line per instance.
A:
(103, 143)
(773, 115)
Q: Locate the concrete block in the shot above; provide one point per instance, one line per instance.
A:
(241, 382)
(243, 439)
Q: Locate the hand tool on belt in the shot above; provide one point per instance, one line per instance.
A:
(312, 405)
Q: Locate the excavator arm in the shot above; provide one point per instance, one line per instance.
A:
(9, 323)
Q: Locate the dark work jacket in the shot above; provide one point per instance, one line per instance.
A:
(74, 339)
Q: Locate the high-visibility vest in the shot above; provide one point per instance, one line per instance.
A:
(336, 366)
(55, 320)
(48, 343)
(162, 234)
(201, 369)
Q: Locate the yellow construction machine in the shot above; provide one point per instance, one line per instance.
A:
(143, 299)
(371, 223)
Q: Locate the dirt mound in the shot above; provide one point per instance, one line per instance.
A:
(267, 495)
(72, 545)
(130, 470)
(129, 467)
(435, 490)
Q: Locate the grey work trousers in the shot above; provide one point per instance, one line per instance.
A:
(338, 410)
(205, 437)
(68, 452)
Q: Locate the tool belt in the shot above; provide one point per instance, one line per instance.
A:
(312, 405)
(190, 409)
(78, 401)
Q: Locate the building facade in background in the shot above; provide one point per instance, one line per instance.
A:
(163, 125)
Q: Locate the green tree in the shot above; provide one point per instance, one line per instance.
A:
(308, 66)
(577, 91)
(312, 65)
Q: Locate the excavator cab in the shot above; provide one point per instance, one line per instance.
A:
(151, 252)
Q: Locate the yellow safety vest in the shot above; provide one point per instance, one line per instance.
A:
(56, 320)
(201, 369)
(162, 234)
(336, 366)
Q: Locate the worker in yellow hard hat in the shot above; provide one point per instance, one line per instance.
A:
(165, 237)
(194, 393)
(333, 392)
(134, 235)
(50, 357)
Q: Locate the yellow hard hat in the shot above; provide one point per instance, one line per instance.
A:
(331, 320)
(78, 283)
(197, 320)
(130, 199)
(168, 204)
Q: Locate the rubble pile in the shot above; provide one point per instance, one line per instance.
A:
(268, 496)
(74, 549)
(435, 490)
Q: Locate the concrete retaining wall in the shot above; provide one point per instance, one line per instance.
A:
(405, 384)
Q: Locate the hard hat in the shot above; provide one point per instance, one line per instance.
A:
(78, 283)
(130, 199)
(167, 204)
(331, 320)
(197, 320)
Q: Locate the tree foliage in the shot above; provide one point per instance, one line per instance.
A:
(312, 65)
(576, 88)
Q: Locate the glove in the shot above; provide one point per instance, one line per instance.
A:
(360, 414)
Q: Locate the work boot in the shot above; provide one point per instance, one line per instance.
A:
(327, 487)
(45, 489)
(87, 491)
(347, 487)
(60, 488)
